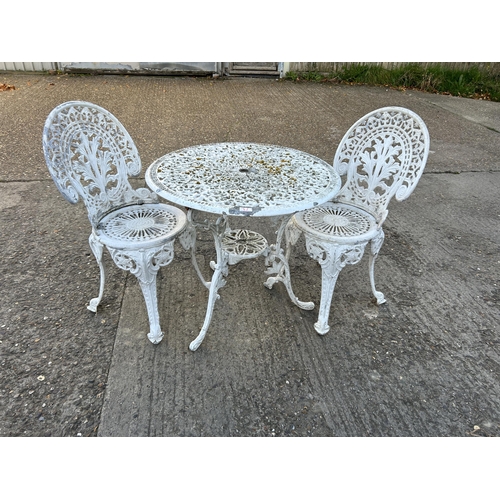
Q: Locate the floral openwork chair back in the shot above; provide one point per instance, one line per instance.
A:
(381, 156)
(90, 155)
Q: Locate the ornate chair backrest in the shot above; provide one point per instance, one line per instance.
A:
(383, 154)
(89, 154)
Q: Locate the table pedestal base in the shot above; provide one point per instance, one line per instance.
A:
(277, 262)
(233, 246)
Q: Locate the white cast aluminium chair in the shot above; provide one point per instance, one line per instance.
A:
(90, 155)
(382, 155)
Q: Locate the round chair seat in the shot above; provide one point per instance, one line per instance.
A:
(244, 244)
(141, 226)
(337, 222)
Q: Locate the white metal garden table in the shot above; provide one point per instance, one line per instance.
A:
(241, 179)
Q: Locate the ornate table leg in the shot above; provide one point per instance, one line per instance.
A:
(277, 261)
(144, 264)
(220, 272)
(188, 242)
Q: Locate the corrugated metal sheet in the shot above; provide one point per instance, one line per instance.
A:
(164, 68)
(160, 68)
(28, 66)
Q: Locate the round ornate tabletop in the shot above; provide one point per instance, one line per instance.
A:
(239, 178)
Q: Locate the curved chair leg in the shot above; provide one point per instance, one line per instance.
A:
(97, 249)
(148, 286)
(332, 259)
(144, 264)
(376, 245)
(329, 275)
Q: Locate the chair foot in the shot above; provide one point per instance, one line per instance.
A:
(380, 298)
(196, 343)
(93, 304)
(155, 337)
(321, 328)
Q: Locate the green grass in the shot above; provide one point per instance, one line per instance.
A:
(473, 82)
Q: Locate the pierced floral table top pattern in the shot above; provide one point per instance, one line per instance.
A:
(243, 179)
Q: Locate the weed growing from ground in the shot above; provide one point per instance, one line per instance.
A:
(473, 82)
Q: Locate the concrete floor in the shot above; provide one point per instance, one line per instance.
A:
(426, 363)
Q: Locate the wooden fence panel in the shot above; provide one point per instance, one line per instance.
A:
(328, 67)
